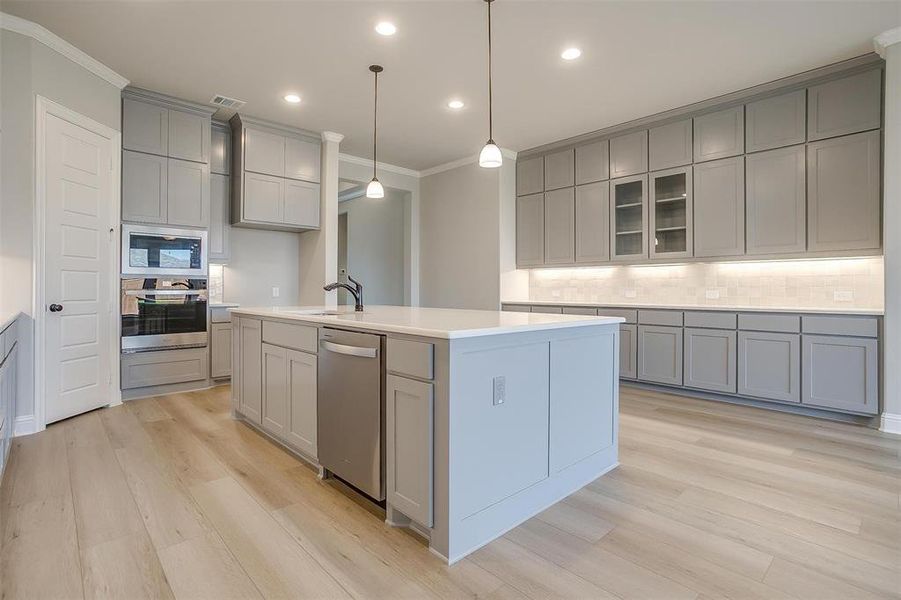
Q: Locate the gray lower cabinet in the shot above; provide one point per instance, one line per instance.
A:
(844, 106)
(409, 416)
(840, 373)
(843, 193)
(302, 402)
(776, 122)
(660, 354)
(220, 228)
(559, 171)
(670, 145)
(775, 203)
(530, 230)
(629, 154)
(719, 134)
(145, 184)
(593, 162)
(275, 389)
(250, 342)
(769, 365)
(530, 176)
(592, 222)
(710, 359)
(220, 350)
(628, 351)
(559, 227)
(719, 207)
(144, 369)
(188, 195)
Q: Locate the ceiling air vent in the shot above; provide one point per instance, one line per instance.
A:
(226, 102)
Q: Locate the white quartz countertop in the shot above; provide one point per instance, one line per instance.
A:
(428, 322)
(736, 308)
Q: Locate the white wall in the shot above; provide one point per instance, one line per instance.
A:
(261, 260)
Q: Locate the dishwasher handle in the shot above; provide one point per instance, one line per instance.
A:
(349, 350)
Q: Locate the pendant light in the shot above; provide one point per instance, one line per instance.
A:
(375, 189)
(490, 156)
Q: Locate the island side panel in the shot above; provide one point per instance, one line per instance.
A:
(518, 446)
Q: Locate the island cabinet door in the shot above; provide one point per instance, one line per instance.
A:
(301, 388)
(409, 416)
(250, 342)
(275, 390)
(582, 424)
(660, 354)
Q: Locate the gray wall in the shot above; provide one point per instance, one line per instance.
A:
(260, 260)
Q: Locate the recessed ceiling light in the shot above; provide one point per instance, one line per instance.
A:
(292, 98)
(386, 28)
(571, 54)
(455, 104)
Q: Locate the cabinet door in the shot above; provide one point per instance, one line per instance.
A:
(660, 354)
(250, 340)
(530, 176)
(629, 217)
(189, 136)
(775, 202)
(710, 359)
(776, 122)
(559, 227)
(220, 350)
(302, 203)
(844, 106)
(275, 390)
(530, 230)
(670, 211)
(719, 208)
(559, 171)
(593, 162)
(840, 373)
(145, 127)
(628, 351)
(769, 365)
(719, 134)
(593, 222)
(670, 145)
(264, 152)
(144, 187)
(629, 154)
(409, 413)
(219, 223)
(302, 401)
(302, 159)
(220, 151)
(264, 198)
(843, 193)
(188, 197)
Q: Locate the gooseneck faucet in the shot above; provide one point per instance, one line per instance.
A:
(356, 291)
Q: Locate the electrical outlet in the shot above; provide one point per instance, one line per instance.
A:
(712, 294)
(555, 293)
(843, 295)
(500, 390)
(275, 291)
(630, 293)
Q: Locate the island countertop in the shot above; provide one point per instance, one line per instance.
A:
(446, 323)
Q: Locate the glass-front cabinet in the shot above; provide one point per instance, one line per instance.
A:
(670, 212)
(629, 217)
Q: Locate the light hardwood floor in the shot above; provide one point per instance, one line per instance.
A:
(169, 497)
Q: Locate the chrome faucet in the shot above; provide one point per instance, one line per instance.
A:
(356, 291)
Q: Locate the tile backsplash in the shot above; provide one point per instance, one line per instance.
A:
(821, 283)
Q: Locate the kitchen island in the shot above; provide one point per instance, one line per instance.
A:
(487, 417)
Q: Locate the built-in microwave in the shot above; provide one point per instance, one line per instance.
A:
(149, 250)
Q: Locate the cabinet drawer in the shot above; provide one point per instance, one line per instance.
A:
(409, 357)
(840, 325)
(220, 315)
(164, 367)
(299, 337)
(552, 310)
(711, 319)
(579, 310)
(765, 322)
(516, 308)
(630, 315)
(670, 318)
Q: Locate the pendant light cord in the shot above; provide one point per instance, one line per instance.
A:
(375, 127)
(490, 101)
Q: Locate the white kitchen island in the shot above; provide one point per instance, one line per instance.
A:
(489, 417)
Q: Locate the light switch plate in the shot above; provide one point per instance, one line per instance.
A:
(500, 390)
(843, 295)
(275, 292)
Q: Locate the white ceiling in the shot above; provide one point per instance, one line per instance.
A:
(638, 58)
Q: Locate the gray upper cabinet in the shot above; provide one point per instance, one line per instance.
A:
(593, 162)
(769, 365)
(189, 136)
(592, 223)
(301, 204)
(559, 171)
(844, 106)
(719, 208)
(670, 145)
(530, 176)
(840, 373)
(670, 211)
(264, 198)
(530, 230)
(145, 184)
(220, 149)
(776, 122)
(629, 154)
(264, 152)
(145, 127)
(775, 201)
(660, 354)
(710, 359)
(302, 160)
(188, 196)
(843, 193)
(719, 134)
(559, 227)
(219, 223)
(629, 217)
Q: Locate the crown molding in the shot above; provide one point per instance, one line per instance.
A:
(366, 162)
(505, 152)
(168, 101)
(885, 39)
(54, 42)
(331, 136)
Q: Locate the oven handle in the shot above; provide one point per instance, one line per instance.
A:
(166, 292)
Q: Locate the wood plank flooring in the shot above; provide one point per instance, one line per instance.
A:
(169, 497)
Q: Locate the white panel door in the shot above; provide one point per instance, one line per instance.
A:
(77, 263)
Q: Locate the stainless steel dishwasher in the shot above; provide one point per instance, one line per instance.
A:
(351, 404)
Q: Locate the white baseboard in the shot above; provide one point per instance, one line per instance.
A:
(24, 425)
(890, 423)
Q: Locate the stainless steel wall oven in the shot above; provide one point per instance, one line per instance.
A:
(163, 312)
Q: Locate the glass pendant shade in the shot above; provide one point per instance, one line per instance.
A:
(490, 156)
(375, 189)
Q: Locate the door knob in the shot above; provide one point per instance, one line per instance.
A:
(56, 307)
